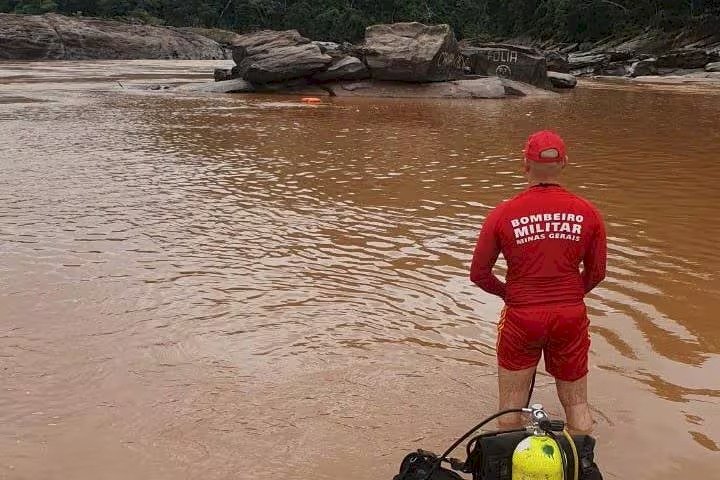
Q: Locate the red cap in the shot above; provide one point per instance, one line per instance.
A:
(545, 146)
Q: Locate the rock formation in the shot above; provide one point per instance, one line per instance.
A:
(521, 64)
(56, 37)
(399, 60)
(412, 52)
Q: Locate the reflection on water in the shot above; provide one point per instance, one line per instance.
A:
(195, 284)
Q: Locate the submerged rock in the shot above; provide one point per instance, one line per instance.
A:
(412, 52)
(479, 88)
(237, 85)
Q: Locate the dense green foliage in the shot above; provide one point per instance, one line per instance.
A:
(346, 19)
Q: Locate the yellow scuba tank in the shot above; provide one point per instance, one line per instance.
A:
(538, 457)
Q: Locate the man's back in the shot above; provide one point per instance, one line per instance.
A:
(544, 233)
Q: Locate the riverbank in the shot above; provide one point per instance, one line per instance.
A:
(689, 52)
(57, 37)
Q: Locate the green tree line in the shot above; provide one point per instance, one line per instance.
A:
(340, 20)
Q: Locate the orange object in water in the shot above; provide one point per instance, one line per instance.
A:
(311, 100)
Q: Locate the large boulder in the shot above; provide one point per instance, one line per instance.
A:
(643, 67)
(712, 67)
(687, 58)
(263, 41)
(557, 62)
(412, 52)
(562, 80)
(346, 68)
(521, 64)
(51, 36)
(269, 56)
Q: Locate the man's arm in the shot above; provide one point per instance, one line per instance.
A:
(486, 253)
(595, 261)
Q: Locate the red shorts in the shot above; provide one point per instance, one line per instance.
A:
(558, 331)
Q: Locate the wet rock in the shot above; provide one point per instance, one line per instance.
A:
(476, 88)
(712, 67)
(584, 71)
(152, 87)
(270, 56)
(237, 85)
(412, 52)
(51, 36)
(335, 50)
(222, 74)
(346, 68)
(521, 64)
(616, 56)
(688, 58)
(557, 62)
(614, 69)
(562, 80)
(643, 67)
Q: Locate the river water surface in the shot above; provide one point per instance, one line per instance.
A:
(243, 287)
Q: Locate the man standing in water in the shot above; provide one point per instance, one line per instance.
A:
(544, 233)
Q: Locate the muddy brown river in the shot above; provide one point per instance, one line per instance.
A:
(243, 287)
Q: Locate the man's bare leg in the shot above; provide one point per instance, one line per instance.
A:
(514, 388)
(573, 397)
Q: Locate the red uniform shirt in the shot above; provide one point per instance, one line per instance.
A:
(544, 233)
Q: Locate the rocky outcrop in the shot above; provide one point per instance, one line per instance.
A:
(582, 63)
(55, 37)
(412, 52)
(261, 42)
(344, 68)
(687, 59)
(479, 88)
(237, 85)
(521, 64)
(405, 59)
(557, 62)
(270, 56)
(643, 67)
(335, 50)
(562, 80)
(648, 54)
